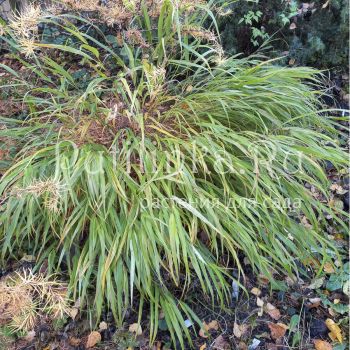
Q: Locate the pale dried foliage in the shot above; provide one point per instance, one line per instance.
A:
(202, 34)
(25, 24)
(28, 46)
(134, 37)
(155, 78)
(199, 33)
(24, 27)
(121, 12)
(17, 307)
(49, 189)
(25, 296)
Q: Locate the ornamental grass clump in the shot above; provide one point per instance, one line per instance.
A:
(167, 166)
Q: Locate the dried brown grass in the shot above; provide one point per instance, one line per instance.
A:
(25, 296)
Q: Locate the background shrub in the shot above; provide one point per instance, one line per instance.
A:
(307, 33)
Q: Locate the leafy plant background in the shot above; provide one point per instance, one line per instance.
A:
(312, 33)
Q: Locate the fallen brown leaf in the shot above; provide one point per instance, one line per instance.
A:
(338, 189)
(221, 344)
(314, 305)
(263, 279)
(278, 330)
(240, 330)
(236, 330)
(273, 311)
(74, 341)
(93, 338)
(242, 346)
(322, 345)
(73, 312)
(213, 325)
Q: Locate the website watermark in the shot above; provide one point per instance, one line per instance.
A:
(230, 204)
(259, 157)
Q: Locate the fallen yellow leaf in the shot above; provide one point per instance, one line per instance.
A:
(273, 311)
(322, 345)
(335, 331)
(204, 346)
(256, 291)
(213, 325)
(278, 330)
(240, 330)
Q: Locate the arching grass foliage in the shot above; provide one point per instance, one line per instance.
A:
(170, 164)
